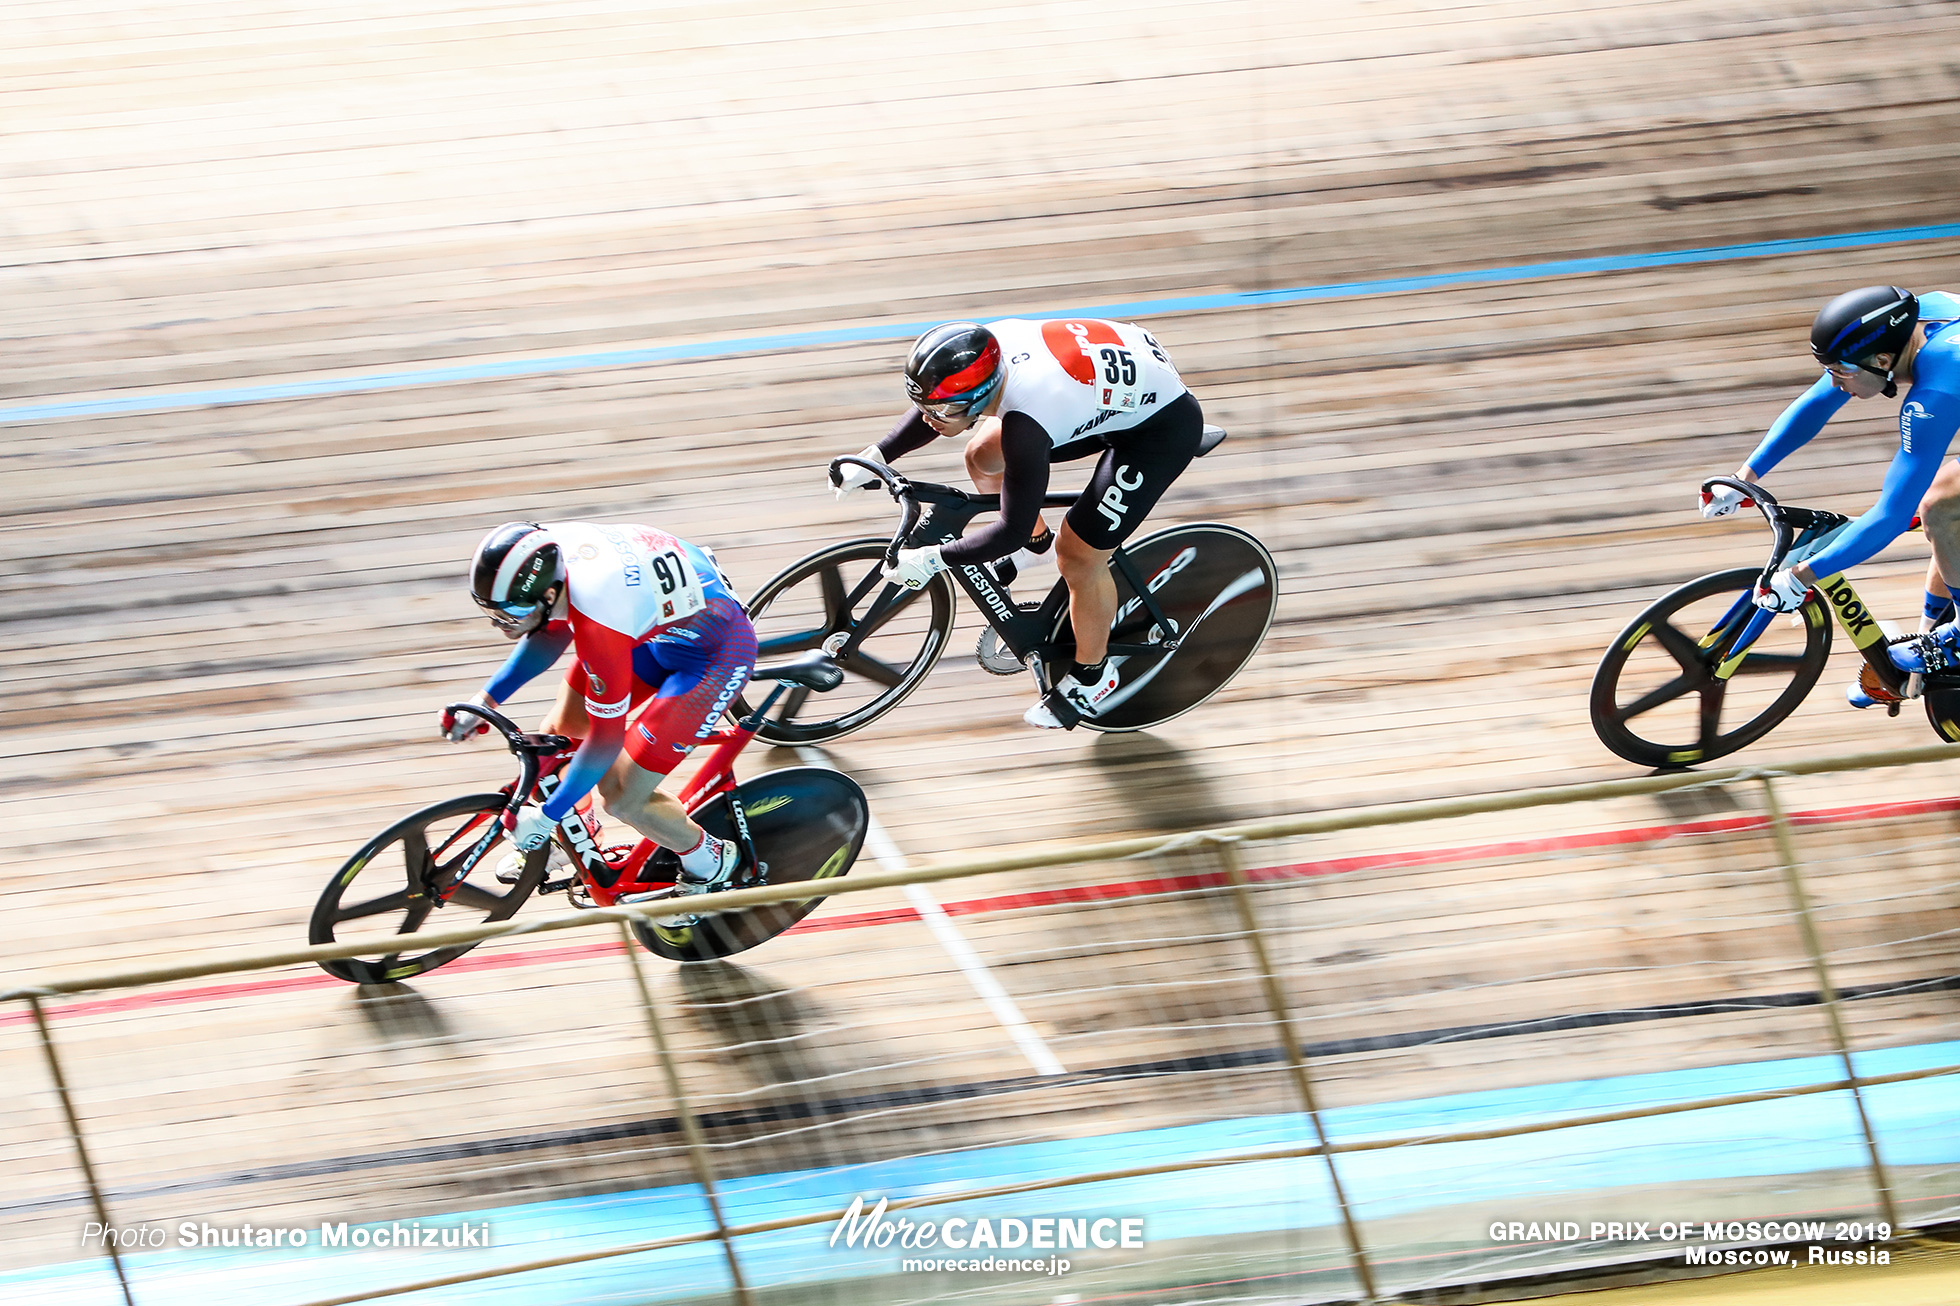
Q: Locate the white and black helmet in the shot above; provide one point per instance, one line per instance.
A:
(512, 577)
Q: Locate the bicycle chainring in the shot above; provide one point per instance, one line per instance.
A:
(1878, 693)
(994, 657)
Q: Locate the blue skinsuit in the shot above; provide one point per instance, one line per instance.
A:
(1927, 421)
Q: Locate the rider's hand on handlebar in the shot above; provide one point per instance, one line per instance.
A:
(916, 567)
(851, 478)
(1721, 500)
(456, 728)
(1785, 592)
(530, 828)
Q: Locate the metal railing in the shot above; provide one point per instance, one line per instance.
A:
(1280, 1009)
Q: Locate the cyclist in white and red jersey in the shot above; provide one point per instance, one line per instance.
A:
(662, 647)
(1031, 394)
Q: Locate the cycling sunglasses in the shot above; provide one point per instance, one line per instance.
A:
(952, 411)
(513, 618)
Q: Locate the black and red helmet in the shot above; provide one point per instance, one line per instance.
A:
(955, 369)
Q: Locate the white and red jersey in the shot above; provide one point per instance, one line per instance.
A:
(623, 584)
(1082, 376)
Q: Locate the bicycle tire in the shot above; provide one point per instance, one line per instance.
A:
(1941, 696)
(808, 823)
(792, 615)
(1221, 587)
(1660, 625)
(392, 967)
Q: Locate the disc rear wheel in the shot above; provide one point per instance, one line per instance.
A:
(1218, 586)
(808, 823)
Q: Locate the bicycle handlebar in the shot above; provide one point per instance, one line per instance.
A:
(908, 493)
(1764, 502)
(528, 748)
(899, 488)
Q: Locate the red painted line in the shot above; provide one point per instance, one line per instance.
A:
(1074, 895)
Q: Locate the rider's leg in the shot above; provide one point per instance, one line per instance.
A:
(632, 793)
(1939, 515)
(1938, 645)
(1132, 474)
(703, 676)
(1091, 593)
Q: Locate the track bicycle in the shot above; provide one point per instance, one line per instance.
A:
(1703, 671)
(794, 825)
(1193, 603)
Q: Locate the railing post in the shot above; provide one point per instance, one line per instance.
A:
(1228, 854)
(1786, 851)
(697, 1147)
(81, 1149)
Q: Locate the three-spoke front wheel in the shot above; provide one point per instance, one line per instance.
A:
(1657, 699)
(885, 638)
(395, 886)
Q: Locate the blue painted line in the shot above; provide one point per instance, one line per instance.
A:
(1539, 1176)
(733, 347)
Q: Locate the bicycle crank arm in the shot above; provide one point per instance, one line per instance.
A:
(748, 859)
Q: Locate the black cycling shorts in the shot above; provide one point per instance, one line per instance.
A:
(1137, 466)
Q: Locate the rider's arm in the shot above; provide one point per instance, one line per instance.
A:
(1926, 428)
(1024, 450)
(1801, 421)
(532, 656)
(908, 433)
(608, 658)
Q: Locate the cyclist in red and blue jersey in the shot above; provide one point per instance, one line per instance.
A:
(1869, 341)
(662, 647)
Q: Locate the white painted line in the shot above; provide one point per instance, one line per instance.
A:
(879, 844)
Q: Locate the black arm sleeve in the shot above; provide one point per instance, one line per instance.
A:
(1024, 448)
(908, 433)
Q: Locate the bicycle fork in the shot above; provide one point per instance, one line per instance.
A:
(1856, 619)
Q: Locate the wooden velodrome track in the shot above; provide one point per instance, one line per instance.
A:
(229, 623)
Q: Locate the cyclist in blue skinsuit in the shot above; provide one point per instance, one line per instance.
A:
(1869, 341)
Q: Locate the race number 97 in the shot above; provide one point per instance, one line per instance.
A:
(666, 571)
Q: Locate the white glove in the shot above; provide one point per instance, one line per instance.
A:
(532, 828)
(1721, 500)
(854, 477)
(916, 567)
(456, 727)
(1785, 593)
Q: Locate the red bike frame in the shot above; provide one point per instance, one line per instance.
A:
(715, 778)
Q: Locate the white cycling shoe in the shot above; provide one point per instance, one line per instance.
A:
(685, 883)
(1087, 700)
(511, 868)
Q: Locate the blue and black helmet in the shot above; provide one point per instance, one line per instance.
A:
(1860, 323)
